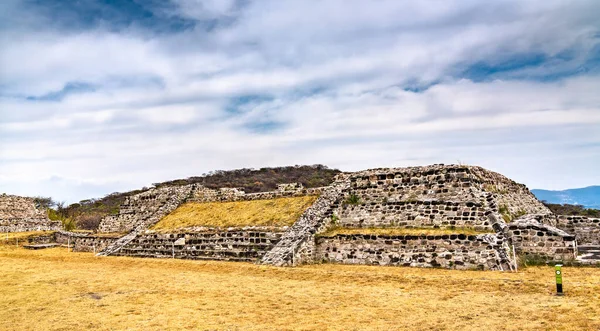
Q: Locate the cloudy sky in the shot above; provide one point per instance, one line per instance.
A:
(104, 96)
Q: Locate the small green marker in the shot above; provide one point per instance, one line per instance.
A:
(558, 272)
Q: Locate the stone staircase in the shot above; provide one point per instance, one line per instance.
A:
(588, 254)
(174, 201)
(297, 244)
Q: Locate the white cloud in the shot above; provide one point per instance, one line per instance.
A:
(339, 77)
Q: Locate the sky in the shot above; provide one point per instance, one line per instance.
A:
(105, 96)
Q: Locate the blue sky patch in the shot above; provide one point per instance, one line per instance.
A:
(264, 126)
(485, 71)
(68, 89)
(243, 103)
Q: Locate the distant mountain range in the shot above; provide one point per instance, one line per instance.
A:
(589, 197)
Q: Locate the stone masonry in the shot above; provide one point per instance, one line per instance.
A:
(247, 244)
(20, 214)
(204, 194)
(531, 237)
(457, 251)
(433, 196)
(85, 242)
(585, 229)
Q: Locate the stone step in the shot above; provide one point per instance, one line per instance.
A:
(588, 253)
(41, 246)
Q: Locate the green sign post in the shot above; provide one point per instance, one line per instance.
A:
(558, 272)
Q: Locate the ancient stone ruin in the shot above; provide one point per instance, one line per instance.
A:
(20, 214)
(450, 216)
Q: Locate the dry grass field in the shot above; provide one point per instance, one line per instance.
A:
(57, 290)
(273, 212)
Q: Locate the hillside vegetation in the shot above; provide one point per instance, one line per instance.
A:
(275, 212)
(566, 209)
(87, 214)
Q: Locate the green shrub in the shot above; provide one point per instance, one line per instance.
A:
(352, 199)
(334, 219)
(54, 215)
(68, 224)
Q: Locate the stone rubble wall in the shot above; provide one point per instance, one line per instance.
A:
(412, 214)
(432, 196)
(297, 244)
(585, 229)
(13, 207)
(204, 194)
(84, 242)
(514, 196)
(29, 224)
(232, 244)
(456, 251)
(531, 237)
(20, 214)
(42, 239)
(45, 238)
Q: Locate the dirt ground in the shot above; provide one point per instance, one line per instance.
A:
(54, 289)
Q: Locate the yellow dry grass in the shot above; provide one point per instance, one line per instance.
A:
(273, 212)
(400, 231)
(56, 290)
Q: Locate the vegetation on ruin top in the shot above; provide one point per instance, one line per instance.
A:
(389, 231)
(53, 289)
(272, 212)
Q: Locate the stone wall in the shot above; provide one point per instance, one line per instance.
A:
(84, 242)
(531, 237)
(411, 214)
(233, 244)
(457, 251)
(585, 229)
(28, 224)
(516, 197)
(204, 194)
(432, 196)
(44, 238)
(20, 214)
